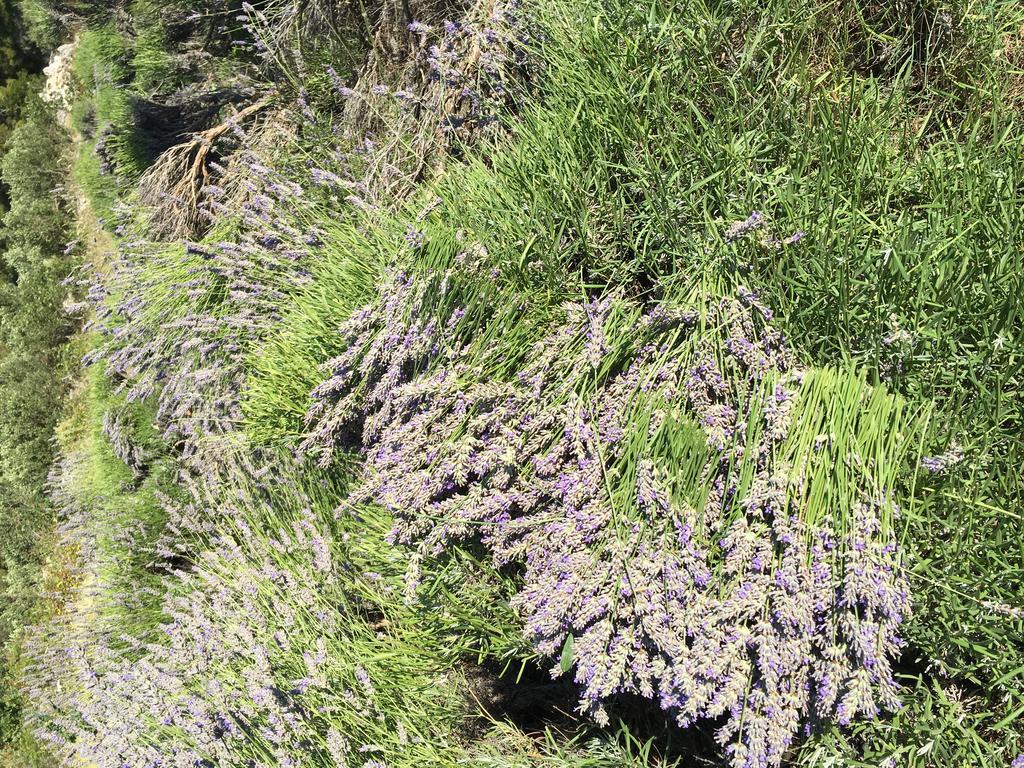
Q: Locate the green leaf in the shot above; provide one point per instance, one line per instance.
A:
(566, 661)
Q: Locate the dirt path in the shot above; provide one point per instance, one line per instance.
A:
(98, 246)
(59, 90)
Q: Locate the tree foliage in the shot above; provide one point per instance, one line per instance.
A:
(33, 330)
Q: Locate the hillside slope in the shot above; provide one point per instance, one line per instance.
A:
(529, 383)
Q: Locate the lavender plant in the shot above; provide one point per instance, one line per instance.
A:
(117, 428)
(667, 479)
(262, 655)
(177, 321)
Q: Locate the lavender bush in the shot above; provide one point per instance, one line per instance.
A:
(178, 321)
(661, 479)
(263, 653)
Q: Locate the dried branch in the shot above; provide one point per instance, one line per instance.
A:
(172, 187)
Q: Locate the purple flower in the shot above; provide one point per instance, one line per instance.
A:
(740, 229)
(414, 237)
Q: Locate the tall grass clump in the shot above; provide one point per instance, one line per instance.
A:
(103, 115)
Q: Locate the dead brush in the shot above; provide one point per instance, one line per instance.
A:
(406, 99)
(171, 190)
(237, 177)
(289, 33)
(1013, 50)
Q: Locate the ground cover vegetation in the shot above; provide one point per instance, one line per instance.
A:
(528, 383)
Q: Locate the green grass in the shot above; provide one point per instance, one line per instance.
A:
(152, 57)
(98, 187)
(941, 725)
(110, 517)
(42, 26)
(103, 110)
(285, 368)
